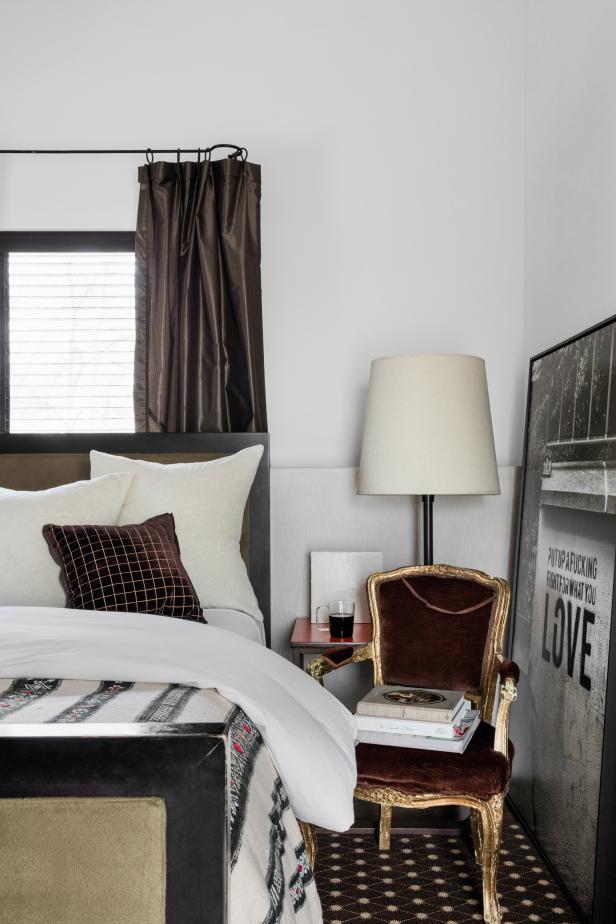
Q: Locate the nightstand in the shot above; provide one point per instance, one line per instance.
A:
(310, 638)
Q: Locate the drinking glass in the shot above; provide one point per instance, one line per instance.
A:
(341, 616)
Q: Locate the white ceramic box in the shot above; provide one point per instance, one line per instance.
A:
(342, 576)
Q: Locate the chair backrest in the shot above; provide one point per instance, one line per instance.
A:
(439, 626)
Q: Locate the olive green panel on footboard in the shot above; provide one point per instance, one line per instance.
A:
(82, 861)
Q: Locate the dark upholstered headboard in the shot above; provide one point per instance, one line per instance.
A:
(33, 462)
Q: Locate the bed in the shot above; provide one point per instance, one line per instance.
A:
(172, 791)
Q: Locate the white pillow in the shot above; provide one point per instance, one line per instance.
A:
(28, 574)
(207, 500)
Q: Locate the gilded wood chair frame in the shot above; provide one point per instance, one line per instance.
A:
(486, 816)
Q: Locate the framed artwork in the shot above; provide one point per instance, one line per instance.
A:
(564, 725)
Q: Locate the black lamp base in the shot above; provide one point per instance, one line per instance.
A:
(428, 551)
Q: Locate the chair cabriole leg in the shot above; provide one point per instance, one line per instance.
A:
(492, 824)
(476, 833)
(385, 827)
(310, 842)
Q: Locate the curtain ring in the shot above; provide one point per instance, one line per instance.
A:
(198, 155)
(242, 153)
(178, 155)
(207, 154)
(149, 155)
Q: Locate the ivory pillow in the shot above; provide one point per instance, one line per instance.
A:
(28, 574)
(207, 500)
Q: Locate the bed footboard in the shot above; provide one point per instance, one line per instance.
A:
(130, 819)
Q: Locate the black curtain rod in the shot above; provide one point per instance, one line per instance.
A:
(239, 151)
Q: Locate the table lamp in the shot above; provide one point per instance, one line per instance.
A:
(427, 431)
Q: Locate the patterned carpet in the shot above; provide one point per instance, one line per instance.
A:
(432, 878)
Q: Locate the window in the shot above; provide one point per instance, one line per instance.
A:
(67, 333)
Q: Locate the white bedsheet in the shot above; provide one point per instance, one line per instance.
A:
(235, 621)
(309, 733)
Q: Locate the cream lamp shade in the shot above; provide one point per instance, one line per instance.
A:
(428, 428)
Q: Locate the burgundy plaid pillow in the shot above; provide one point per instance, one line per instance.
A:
(131, 569)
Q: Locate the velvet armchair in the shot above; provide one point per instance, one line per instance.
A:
(442, 627)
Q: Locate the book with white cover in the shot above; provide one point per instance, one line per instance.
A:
(421, 742)
(453, 729)
(399, 702)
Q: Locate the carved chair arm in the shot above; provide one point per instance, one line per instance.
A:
(508, 669)
(337, 657)
(509, 675)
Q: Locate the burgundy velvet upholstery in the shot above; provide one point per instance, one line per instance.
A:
(480, 771)
(509, 669)
(434, 630)
(338, 656)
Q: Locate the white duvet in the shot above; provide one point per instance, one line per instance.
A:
(309, 733)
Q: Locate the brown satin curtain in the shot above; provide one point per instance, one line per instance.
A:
(199, 352)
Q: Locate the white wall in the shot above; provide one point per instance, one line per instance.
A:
(391, 139)
(570, 168)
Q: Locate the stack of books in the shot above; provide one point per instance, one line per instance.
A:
(413, 717)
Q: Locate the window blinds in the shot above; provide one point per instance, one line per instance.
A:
(71, 342)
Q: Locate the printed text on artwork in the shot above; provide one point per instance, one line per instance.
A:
(566, 631)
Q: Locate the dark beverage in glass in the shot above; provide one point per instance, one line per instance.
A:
(341, 615)
(341, 625)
